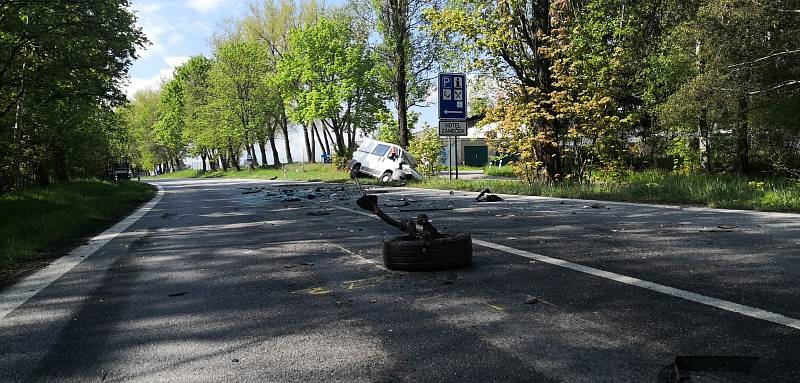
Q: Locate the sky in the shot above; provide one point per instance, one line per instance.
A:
(177, 30)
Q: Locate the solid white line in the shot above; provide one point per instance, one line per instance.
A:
(678, 293)
(25, 289)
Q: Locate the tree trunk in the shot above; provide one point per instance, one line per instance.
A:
(316, 132)
(352, 145)
(40, 175)
(255, 159)
(309, 155)
(285, 131)
(742, 139)
(313, 157)
(233, 158)
(340, 144)
(348, 140)
(203, 160)
(326, 134)
(249, 156)
(274, 148)
(224, 162)
(704, 144)
(262, 145)
(62, 169)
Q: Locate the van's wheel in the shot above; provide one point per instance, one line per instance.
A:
(386, 177)
(448, 252)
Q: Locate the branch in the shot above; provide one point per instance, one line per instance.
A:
(776, 87)
(764, 58)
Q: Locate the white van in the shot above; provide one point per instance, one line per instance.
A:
(385, 161)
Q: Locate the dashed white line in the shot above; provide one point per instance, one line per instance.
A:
(18, 294)
(667, 290)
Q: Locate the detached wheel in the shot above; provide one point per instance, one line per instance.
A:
(355, 170)
(386, 177)
(448, 252)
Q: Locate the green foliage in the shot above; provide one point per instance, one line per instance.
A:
(388, 130)
(62, 67)
(337, 76)
(410, 52)
(341, 160)
(427, 148)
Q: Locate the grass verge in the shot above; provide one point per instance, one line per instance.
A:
(42, 219)
(717, 191)
(296, 172)
(659, 187)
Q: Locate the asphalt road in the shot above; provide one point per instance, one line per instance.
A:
(215, 285)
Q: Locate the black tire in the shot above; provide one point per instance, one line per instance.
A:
(386, 177)
(446, 253)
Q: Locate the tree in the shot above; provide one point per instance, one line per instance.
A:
(138, 117)
(198, 131)
(61, 70)
(337, 77)
(744, 61)
(168, 130)
(271, 23)
(238, 85)
(508, 38)
(410, 52)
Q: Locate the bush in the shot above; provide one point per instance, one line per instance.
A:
(426, 149)
(341, 160)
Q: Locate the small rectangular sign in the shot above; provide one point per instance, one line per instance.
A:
(452, 128)
(452, 96)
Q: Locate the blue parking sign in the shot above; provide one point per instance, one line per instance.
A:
(452, 96)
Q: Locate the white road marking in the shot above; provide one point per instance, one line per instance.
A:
(362, 258)
(675, 292)
(27, 288)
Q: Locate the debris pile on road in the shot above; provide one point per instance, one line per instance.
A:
(256, 196)
(487, 196)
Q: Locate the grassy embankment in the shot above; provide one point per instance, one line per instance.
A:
(296, 172)
(719, 191)
(40, 219)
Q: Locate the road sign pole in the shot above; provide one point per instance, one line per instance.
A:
(456, 157)
(450, 159)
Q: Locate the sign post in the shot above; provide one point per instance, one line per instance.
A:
(453, 109)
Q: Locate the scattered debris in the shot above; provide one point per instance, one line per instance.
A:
(395, 203)
(726, 227)
(273, 178)
(373, 301)
(178, 294)
(307, 263)
(252, 191)
(487, 196)
(596, 206)
(531, 300)
(318, 213)
(234, 360)
(715, 230)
